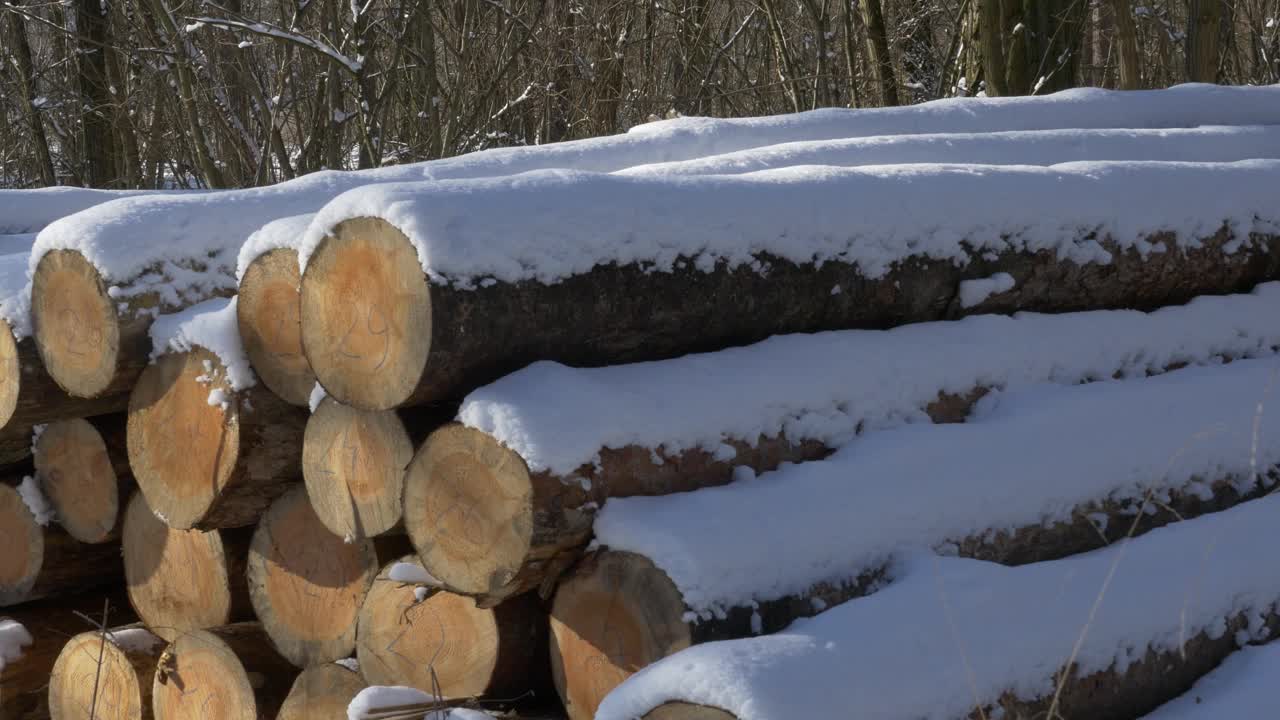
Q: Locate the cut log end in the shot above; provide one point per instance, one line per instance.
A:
(267, 312)
(354, 464)
(183, 448)
(77, 476)
(687, 711)
(615, 614)
(96, 678)
(202, 679)
(446, 640)
(76, 327)
(322, 693)
(469, 510)
(366, 314)
(178, 580)
(23, 541)
(10, 373)
(306, 584)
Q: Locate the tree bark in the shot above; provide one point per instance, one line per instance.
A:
(20, 46)
(1127, 45)
(1204, 20)
(878, 51)
(95, 100)
(232, 668)
(107, 673)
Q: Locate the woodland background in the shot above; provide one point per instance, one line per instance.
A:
(196, 93)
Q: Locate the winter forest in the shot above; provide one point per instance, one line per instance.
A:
(236, 93)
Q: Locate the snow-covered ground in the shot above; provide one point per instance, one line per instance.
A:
(29, 211)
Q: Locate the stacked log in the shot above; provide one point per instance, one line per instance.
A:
(267, 313)
(231, 671)
(43, 561)
(322, 692)
(105, 674)
(84, 471)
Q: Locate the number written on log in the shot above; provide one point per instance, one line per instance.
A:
(372, 323)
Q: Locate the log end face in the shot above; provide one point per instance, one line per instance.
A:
(469, 511)
(200, 678)
(76, 474)
(687, 711)
(268, 313)
(354, 464)
(366, 314)
(322, 693)
(177, 579)
(183, 443)
(23, 541)
(77, 330)
(76, 673)
(307, 584)
(10, 373)
(613, 615)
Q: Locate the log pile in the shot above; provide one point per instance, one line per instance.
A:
(267, 550)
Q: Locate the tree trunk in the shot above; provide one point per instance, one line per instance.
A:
(42, 562)
(267, 315)
(231, 671)
(21, 49)
(1204, 20)
(183, 580)
(83, 469)
(322, 692)
(107, 673)
(445, 639)
(210, 465)
(95, 100)
(379, 335)
(878, 51)
(1127, 45)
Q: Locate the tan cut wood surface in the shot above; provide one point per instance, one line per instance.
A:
(687, 711)
(354, 464)
(306, 583)
(322, 692)
(268, 315)
(366, 314)
(75, 323)
(105, 677)
(226, 673)
(77, 476)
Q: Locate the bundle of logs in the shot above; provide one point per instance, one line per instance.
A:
(247, 558)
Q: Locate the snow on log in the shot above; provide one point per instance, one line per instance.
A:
(412, 293)
(226, 672)
(413, 634)
(24, 680)
(83, 469)
(40, 561)
(1011, 486)
(30, 210)
(209, 448)
(267, 310)
(109, 673)
(1243, 686)
(354, 463)
(183, 580)
(496, 507)
(951, 635)
(306, 583)
(1034, 147)
(322, 692)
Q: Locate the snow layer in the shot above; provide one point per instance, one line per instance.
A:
(558, 223)
(1032, 147)
(1243, 687)
(33, 497)
(15, 300)
(28, 211)
(211, 325)
(13, 637)
(408, 572)
(379, 696)
(285, 232)
(135, 639)
(10, 244)
(1026, 457)
(974, 292)
(828, 385)
(949, 633)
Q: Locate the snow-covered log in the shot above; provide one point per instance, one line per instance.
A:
(306, 583)
(323, 692)
(230, 671)
(183, 580)
(412, 293)
(109, 672)
(83, 468)
(27, 655)
(208, 447)
(1242, 686)
(951, 635)
(497, 504)
(30, 210)
(40, 559)
(354, 464)
(413, 634)
(1035, 147)
(1038, 474)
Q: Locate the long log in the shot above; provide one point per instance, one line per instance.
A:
(183, 580)
(29, 396)
(379, 332)
(24, 682)
(616, 612)
(83, 468)
(105, 675)
(322, 692)
(270, 327)
(416, 635)
(40, 562)
(226, 672)
(15, 448)
(207, 456)
(306, 583)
